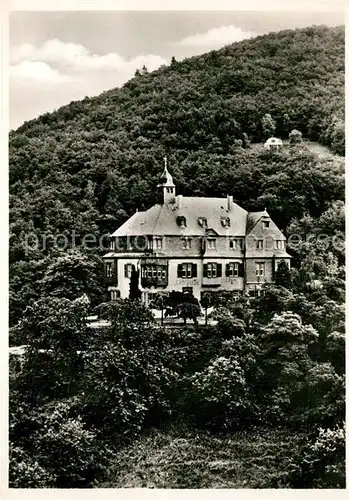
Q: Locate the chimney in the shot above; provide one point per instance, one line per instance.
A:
(179, 200)
(230, 202)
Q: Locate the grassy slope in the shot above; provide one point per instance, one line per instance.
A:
(192, 459)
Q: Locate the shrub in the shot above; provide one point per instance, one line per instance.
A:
(220, 395)
(60, 452)
(295, 136)
(321, 463)
(25, 471)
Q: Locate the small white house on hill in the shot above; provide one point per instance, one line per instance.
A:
(273, 143)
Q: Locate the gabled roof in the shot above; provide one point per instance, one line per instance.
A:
(162, 219)
(253, 218)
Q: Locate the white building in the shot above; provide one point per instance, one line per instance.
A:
(194, 244)
(273, 144)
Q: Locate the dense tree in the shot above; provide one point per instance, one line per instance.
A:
(159, 302)
(206, 302)
(56, 335)
(73, 274)
(283, 275)
(295, 136)
(268, 126)
(135, 292)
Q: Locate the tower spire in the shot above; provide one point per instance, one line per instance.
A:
(166, 186)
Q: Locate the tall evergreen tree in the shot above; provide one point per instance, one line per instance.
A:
(283, 275)
(135, 292)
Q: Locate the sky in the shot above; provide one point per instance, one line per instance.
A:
(59, 57)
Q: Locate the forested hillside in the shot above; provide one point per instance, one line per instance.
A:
(92, 163)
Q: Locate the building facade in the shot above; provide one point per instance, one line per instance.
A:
(194, 244)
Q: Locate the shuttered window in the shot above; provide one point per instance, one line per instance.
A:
(232, 269)
(187, 270)
(212, 270)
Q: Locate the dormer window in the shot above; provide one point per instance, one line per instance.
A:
(157, 245)
(265, 224)
(181, 221)
(202, 221)
(236, 244)
(225, 221)
(211, 244)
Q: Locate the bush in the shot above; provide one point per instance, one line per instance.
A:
(295, 136)
(220, 395)
(321, 463)
(60, 452)
(25, 471)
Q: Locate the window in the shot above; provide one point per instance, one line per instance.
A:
(212, 270)
(233, 244)
(114, 294)
(181, 221)
(211, 244)
(109, 269)
(112, 244)
(265, 224)
(187, 270)
(128, 270)
(279, 244)
(259, 244)
(232, 269)
(157, 243)
(153, 272)
(236, 244)
(186, 243)
(260, 268)
(225, 221)
(202, 221)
